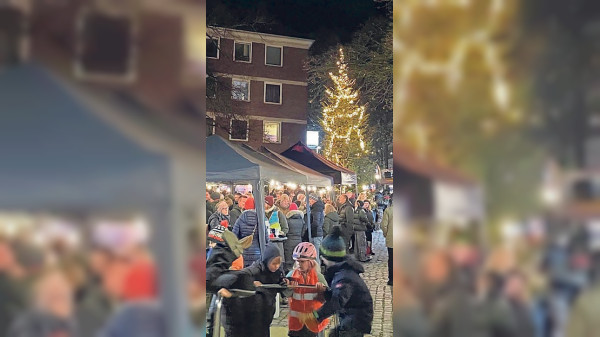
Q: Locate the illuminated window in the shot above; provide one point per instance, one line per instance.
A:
(272, 132)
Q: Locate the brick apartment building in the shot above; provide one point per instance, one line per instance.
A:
(149, 51)
(260, 81)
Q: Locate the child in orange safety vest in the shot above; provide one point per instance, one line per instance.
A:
(306, 300)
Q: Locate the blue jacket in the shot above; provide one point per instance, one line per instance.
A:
(245, 225)
(317, 217)
(348, 296)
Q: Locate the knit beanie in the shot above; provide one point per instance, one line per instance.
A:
(333, 247)
(215, 195)
(249, 203)
(216, 234)
(270, 200)
(293, 207)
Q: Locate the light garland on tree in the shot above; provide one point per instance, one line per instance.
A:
(451, 69)
(343, 119)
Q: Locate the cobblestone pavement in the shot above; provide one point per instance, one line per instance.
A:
(376, 278)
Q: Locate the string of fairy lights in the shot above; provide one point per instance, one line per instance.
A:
(452, 68)
(343, 120)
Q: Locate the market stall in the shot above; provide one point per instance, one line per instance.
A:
(68, 149)
(229, 162)
(317, 179)
(300, 153)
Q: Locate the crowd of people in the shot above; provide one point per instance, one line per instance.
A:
(338, 241)
(103, 288)
(541, 286)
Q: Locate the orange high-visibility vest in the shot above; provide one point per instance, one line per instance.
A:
(304, 301)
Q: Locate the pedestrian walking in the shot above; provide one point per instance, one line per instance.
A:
(387, 226)
(305, 300)
(348, 296)
(583, 320)
(515, 291)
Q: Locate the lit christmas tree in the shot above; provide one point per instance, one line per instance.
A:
(344, 120)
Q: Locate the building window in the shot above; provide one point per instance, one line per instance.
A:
(11, 35)
(211, 87)
(273, 93)
(238, 130)
(106, 44)
(210, 126)
(212, 47)
(274, 56)
(272, 132)
(242, 51)
(240, 90)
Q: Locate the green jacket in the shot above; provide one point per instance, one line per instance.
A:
(584, 321)
(387, 226)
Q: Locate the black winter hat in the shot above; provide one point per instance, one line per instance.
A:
(333, 247)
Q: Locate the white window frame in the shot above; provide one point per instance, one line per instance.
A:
(274, 65)
(83, 74)
(242, 42)
(279, 133)
(280, 93)
(247, 129)
(241, 80)
(218, 48)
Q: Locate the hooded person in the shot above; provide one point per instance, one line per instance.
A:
(252, 316)
(297, 226)
(247, 224)
(348, 295)
(238, 208)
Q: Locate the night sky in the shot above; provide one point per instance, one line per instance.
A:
(326, 21)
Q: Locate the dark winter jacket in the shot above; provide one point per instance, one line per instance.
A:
(361, 221)
(295, 220)
(94, 309)
(346, 212)
(331, 219)
(234, 214)
(210, 209)
(217, 265)
(462, 314)
(348, 296)
(245, 225)
(371, 219)
(216, 218)
(252, 316)
(317, 217)
(36, 323)
(13, 301)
